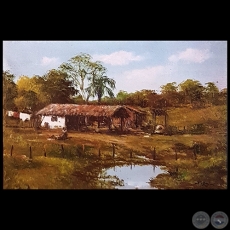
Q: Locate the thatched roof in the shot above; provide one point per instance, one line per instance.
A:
(85, 110)
(135, 110)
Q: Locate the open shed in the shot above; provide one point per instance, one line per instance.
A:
(75, 116)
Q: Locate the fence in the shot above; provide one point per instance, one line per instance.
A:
(96, 151)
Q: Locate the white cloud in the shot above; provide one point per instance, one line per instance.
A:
(191, 55)
(145, 78)
(46, 61)
(145, 73)
(118, 58)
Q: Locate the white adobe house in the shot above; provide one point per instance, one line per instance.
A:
(53, 121)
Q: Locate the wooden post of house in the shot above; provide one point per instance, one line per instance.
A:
(77, 123)
(109, 123)
(136, 122)
(122, 121)
(11, 150)
(165, 120)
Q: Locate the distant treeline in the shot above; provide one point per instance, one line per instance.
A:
(80, 79)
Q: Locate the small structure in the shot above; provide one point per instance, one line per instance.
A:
(75, 116)
(159, 129)
(159, 112)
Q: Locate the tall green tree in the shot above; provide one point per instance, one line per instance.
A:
(78, 68)
(88, 77)
(97, 70)
(100, 86)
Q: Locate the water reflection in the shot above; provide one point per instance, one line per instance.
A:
(134, 176)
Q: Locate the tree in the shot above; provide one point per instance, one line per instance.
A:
(140, 98)
(77, 69)
(192, 89)
(36, 92)
(223, 96)
(169, 87)
(88, 77)
(170, 93)
(122, 97)
(96, 71)
(57, 87)
(30, 94)
(9, 90)
(211, 92)
(100, 86)
(27, 100)
(211, 89)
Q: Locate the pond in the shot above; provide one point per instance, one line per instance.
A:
(133, 176)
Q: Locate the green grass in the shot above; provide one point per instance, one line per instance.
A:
(187, 116)
(78, 169)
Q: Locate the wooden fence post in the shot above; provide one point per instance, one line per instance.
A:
(176, 153)
(113, 149)
(99, 152)
(83, 149)
(131, 154)
(77, 151)
(30, 152)
(44, 148)
(11, 151)
(154, 153)
(62, 150)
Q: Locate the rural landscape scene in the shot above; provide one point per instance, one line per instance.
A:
(115, 115)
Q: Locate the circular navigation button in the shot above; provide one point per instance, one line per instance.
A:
(219, 220)
(201, 220)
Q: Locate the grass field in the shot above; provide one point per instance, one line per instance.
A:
(75, 163)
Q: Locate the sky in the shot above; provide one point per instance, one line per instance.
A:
(134, 65)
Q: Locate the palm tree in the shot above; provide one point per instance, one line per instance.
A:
(101, 85)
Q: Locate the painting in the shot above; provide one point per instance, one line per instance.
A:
(115, 115)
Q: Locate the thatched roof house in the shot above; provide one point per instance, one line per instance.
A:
(74, 115)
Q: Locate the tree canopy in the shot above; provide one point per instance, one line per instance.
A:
(88, 77)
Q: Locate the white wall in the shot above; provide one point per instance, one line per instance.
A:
(60, 123)
(24, 116)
